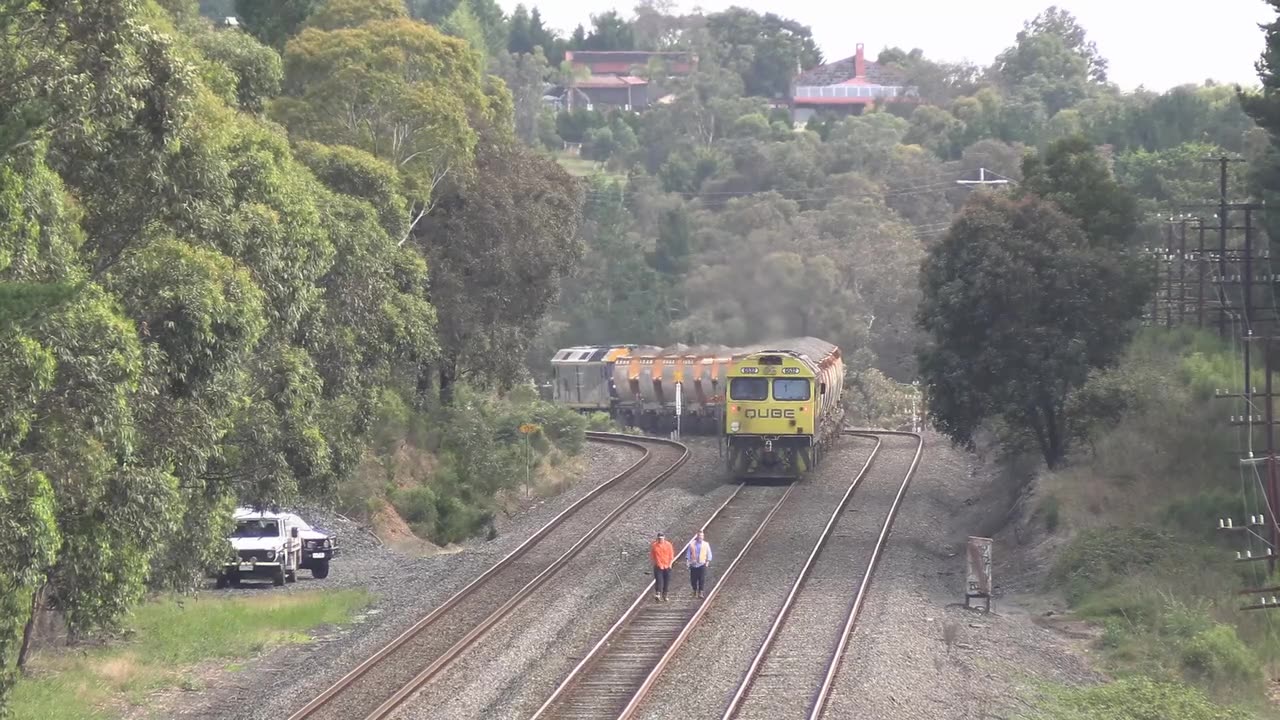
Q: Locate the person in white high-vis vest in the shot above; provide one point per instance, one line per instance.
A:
(698, 557)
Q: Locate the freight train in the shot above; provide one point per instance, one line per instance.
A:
(774, 436)
(783, 410)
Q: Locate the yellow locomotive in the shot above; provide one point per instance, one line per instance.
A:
(783, 410)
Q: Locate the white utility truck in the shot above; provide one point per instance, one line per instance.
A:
(318, 547)
(267, 545)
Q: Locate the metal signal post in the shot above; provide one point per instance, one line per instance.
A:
(527, 429)
(679, 398)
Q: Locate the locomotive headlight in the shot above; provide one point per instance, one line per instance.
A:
(733, 426)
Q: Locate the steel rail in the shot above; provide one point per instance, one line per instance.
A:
(805, 569)
(621, 623)
(851, 620)
(579, 670)
(470, 638)
(362, 669)
(643, 691)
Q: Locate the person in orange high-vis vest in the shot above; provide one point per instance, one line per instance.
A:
(662, 555)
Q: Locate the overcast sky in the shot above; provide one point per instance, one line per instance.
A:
(1147, 42)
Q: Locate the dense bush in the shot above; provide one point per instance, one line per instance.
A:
(478, 452)
(1131, 699)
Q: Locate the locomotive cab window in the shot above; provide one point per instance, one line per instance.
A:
(749, 389)
(790, 389)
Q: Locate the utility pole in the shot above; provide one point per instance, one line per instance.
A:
(1182, 270)
(1262, 526)
(996, 179)
(1247, 260)
(1202, 264)
(1222, 232)
(1168, 279)
(1172, 292)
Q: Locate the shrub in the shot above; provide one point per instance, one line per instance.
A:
(1132, 599)
(1052, 513)
(1097, 558)
(565, 427)
(417, 505)
(1217, 657)
(479, 452)
(1131, 699)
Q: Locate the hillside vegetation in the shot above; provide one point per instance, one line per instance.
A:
(323, 253)
(1133, 523)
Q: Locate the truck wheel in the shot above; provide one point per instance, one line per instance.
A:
(222, 581)
(320, 570)
(278, 578)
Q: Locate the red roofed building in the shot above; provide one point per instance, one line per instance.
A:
(847, 87)
(611, 79)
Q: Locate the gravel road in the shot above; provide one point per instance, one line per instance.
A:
(514, 668)
(405, 589)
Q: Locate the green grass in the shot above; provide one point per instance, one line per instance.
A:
(1129, 699)
(581, 167)
(167, 644)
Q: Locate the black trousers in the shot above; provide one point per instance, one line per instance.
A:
(661, 577)
(696, 577)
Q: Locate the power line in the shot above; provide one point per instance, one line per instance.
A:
(1227, 279)
(996, 179)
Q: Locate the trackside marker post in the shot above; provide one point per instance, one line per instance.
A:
(978, 571)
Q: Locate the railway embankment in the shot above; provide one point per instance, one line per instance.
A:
(1116, 595)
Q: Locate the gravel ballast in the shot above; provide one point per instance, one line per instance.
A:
(785, 682)
(721, 649)
(899, 662)
(405, 588)
(514, 668)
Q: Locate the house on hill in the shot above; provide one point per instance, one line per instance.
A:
(847, 87)
(603, 80)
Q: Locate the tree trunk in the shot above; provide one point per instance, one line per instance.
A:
(425, 385)
(1042, 438)
(447, 375)
(29, 629)
(1054, 444)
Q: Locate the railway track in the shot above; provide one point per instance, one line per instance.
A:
(634, 650)
(791, 675)
(378, 685)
